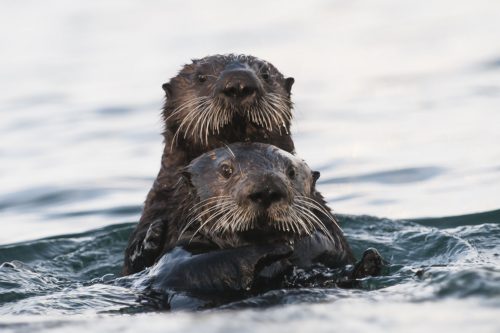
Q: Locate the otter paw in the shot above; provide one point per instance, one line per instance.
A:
(153, 240)
(371, 264)
(143, 253)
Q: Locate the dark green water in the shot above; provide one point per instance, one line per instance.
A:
(431, 260)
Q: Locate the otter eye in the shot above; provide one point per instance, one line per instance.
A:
(226, 170)
(291, 172)
(202, 78)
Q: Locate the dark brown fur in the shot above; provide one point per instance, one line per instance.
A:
(202, 77)
(243, 207)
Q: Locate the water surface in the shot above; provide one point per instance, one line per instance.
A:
(396, 104)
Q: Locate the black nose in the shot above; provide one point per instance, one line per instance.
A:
(267, 194)
(239, 83)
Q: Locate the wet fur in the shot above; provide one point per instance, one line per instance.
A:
(211, 225)
(165, 200)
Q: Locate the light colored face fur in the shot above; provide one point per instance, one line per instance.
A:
(247, 186)
(196, 109)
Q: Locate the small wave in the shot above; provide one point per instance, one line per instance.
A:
(396, 176)
(430, 259)
(34, 198)
(455, 221)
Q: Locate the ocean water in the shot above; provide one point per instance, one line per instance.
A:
(396, 103)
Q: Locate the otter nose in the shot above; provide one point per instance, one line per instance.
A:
(239, 83)
(267, 194)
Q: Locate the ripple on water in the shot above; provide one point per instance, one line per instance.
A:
(78, 273)
(396, 176)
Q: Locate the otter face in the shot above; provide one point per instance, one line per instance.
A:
(253, 187)
(227, 98)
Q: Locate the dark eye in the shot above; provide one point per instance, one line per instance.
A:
(291, 172)
(226, 170)
(265, 75)
(202, 78)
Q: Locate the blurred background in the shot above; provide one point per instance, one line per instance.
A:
(396, 102)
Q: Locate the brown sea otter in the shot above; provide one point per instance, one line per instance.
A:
(248, 214)
(213, 101)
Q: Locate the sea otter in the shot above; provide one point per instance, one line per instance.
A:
(213, 101)
(249, 214)
(249, 193)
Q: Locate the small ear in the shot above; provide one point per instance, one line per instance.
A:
(315, 175)
(288, 84)
(167, 87)
(186, 176)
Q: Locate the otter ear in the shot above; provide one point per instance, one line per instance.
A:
(315, 175)
(288, 84)
(167, 87)
(186, 176)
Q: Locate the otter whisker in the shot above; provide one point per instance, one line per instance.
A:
(216, 120)
(193, 113)
(256, 113)
(272, 109)
(221, 116)
(185, 105)
(248, 219)
(237, 220)
(260, 116)
(218, 116)
(197, 212)
(311, 203)
(305, 217)
(239, 217)
(224, 222)
(261, 120)
(207, 115)
(198, 125)
(265, 114)
(209, 206)
(253, 116)
(209, 122)
(306, 224)
(211, 199)
(216, 225)
(281, 107)
(307, 214)
(233, 221)
(282, 103)
(215, 215)
(202, 113)
(186, 122)
(222, 219)
(317, 205)
(271, 113)
(295, 224)
(210, 209)
(279, 119)
(190, 223)
(230, 151)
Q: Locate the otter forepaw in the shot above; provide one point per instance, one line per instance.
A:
(154, 236)
(142, 254)
(371, 264)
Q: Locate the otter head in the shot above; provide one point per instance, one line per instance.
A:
(246, 191)
(223, 99)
